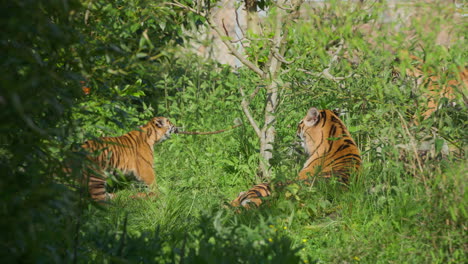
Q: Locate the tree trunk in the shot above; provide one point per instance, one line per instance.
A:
(273, 66)
(269, 73)
(268, 131)
(252, 16)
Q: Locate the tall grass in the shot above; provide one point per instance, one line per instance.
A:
(392, 212)
(401, 208)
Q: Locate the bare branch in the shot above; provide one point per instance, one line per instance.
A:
(327, 75)
(233, 49)
(238, 23)
(337, 52)
(326, 72)
(245, 108)
(242, 37)
(276, 57)
(224, 27)
(223, 38)
(88, 12)
(238, 40)
(255, 92)
(281, 58)
(175, 3)
(273, 64)
(413, 145)
(283, 7)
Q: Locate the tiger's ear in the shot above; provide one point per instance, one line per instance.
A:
(159, 122)
(311, 117)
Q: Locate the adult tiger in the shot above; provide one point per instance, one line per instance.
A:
(131, 153)
(331, 150)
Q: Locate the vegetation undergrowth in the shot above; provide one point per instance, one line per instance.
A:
(407, 205)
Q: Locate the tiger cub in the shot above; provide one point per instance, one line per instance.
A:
(331, 150)
(438, 83)
(131, 153)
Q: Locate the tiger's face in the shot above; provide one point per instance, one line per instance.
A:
(308, 131)
(159, 129)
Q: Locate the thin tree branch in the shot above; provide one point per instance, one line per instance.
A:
(336, 53)
(224, 27)
(276, 57)
(255, 92)
(233, 49)
(175, 3)
(273, 62)
(413, 146)
(327, 75)
(326, 72)
(238, 23)
(281, 58)
(290, 8)
(86, 17)
(245, 108)
(223, 38)
(242, 37)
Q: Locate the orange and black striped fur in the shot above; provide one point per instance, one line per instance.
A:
(254, 195)
(439, 83)
(131, 154)
(331, 150)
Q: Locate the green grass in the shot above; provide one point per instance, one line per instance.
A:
(386, 216)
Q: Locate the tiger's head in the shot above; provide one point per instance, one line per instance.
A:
(158, 129)
(310, 129)
(307, 131)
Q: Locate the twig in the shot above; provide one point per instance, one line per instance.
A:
(255, 92)
(175, 3)
(413, 146)
(335, 55)
(224, 39)
(224, 27)
(208, 132)
(238, 23)
(245, 108)
(87, 12)
(233, 50)
(291, 8)
(326, 72)
(281, 58)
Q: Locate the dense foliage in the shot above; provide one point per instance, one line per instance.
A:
(134, 59)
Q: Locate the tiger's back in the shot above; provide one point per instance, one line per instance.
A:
(331, 150)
